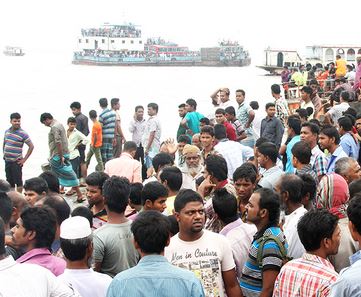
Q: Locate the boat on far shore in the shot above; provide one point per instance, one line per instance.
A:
(13, 51)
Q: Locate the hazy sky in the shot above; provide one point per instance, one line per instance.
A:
(50, 25)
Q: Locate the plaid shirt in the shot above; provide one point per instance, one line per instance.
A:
(318, 161)
(282, 110)
(307, 276)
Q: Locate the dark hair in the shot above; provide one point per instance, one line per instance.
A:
(153, 106)
(116, 192)
(135, 195)
(309, 111)
(60, 207)
(138, 107)
(270, 104)
(205, 121)
(345, 123)
(230, 110)
(130, 146)
(302, 112)
(174, 227)
(302, 152)
(354, 187)
(173, 176)
(331, 132)
(245, 171)
(97, 179)
(345, 95)
(114, 101)
(220, 111)
(75, 249)
(308, 90)
(314, 226)
(208, 130)
(103, 102)
(153, 191)
(151, 231)
(2, 237)
(160, 160)
(51, 180)
(42, 220)
(254, 105)
(270, 150)
(185, 196)
(295, 124)
(83, 211)
(309, 186)
(216, 166)
(184, 138)
(276, 89)
(225, 205)
(313, 82)
(292, 184)
(4, 186)
(15, 116)
(71, 120)
(75, 105)
(36, 184)
(260, 141)
(6, 207)
(45, 116)
(241, 91)
(192, 103)
(220, 131)
(315, 129)
(354, 212)
(93, 114)
(182, 105)
(268, 199)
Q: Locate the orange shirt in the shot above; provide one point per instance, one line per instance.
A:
(97, 131)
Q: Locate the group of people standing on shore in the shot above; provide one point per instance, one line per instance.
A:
(244, 203)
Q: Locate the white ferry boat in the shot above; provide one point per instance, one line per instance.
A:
(13, 51)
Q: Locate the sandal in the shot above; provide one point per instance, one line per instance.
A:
(70, 193)
(80, 200)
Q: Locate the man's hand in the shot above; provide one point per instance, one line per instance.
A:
(21, 161)
(206, 187)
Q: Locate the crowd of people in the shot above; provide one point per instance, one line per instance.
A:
(243, 203)
(113, 31)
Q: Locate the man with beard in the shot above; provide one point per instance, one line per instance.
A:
(192, 169)
(207, 254)
(94, 194)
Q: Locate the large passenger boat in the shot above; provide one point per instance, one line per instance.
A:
(13, 51)
(123, 45)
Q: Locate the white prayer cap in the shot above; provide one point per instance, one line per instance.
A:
(75, 228)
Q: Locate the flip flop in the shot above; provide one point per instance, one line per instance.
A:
(81, 200)
(70, 193)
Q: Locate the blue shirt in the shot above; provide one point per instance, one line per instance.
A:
(289, 166)
(350, 146)
(154, 276)
(193, 118)
(107, 118)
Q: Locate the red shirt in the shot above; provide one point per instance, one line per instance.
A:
(231, 132)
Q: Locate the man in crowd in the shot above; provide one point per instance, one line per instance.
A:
(293, 133)
(221, 119)
(207, 254)
(159, 161)
(348, 168)
(94, 194)
(231, 118)
(268, 249)
(349, 144)
(34, 233)
(52, 182)
(76, 241)
(316, 100)
(14, 140)
(306, 93)
(113, 247)
(181, 112)
(107, 119)
(171, 178)
(119, 136)
(207, 141)
(191, 120)
(193, 168)
(154, 197)
(340, 67)
(35, 189)
(313, 274)
(151, 236)
(271, 127)
(336, 112)
(126, 165)
(83, 127)
(59, 154)
(245, 115)
(301, 157)
(329, 139)
(96, 142)
(281, 106)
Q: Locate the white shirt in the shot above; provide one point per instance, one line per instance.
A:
(295, 247)
(30, 280)
(73, 140)
(87, 282)
(256, 123)
(270, 177)
(308, 104)
(336, 111)
(189, 182)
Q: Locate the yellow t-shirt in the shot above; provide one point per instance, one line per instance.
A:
(341, 67)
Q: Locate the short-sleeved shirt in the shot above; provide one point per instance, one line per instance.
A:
(13, 144)
(243, 116)
(82, 124)
(114, 248)
(270, 177)
(230, 131)
(193, 118)
(282, 110)
(336, 111)
(107, 118)
(57, 135)
(152, 125)
(289, 166)
(272, 259)
(350, 145)
(98, 132)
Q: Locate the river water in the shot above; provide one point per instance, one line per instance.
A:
(47, 82)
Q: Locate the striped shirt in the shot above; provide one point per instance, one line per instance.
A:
(272, 259)
(307, 276)
(318, 161)
(13, 144)
(107, 119)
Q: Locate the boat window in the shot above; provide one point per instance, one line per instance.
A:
(140, 42)
(112, 41)
(86, 40)
(359, 52)
(341, 52)
(123, 41)
(350, 54)
(329, 55)
(132, 41)
(79, 40)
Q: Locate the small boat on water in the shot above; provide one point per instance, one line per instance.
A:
(13, 51)
(123, 45)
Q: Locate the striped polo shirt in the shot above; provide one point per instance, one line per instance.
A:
(13, 144)
(107, 119)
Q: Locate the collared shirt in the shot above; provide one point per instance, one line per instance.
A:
(125, 166)
(332, 159)
(308, 276)
(74, 138)
(100, 219)
(43, 257)
(348, 282)
(57, 135)
(192, 119)
(107, 118)
(270, 177)
(282, 110)
(152, 125)
(189, 181)
(30, 280)
(295, 247)
(307, 169)
(142, 280)
(238, 127)
(318, 161)
(137, 129)
(289, 166)
(240, 236)
(231, 132)
(243, 116)
(336, 111)
(13, 144)
(272, 129)
(82, 124)
(350, 145)
(86, 281)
